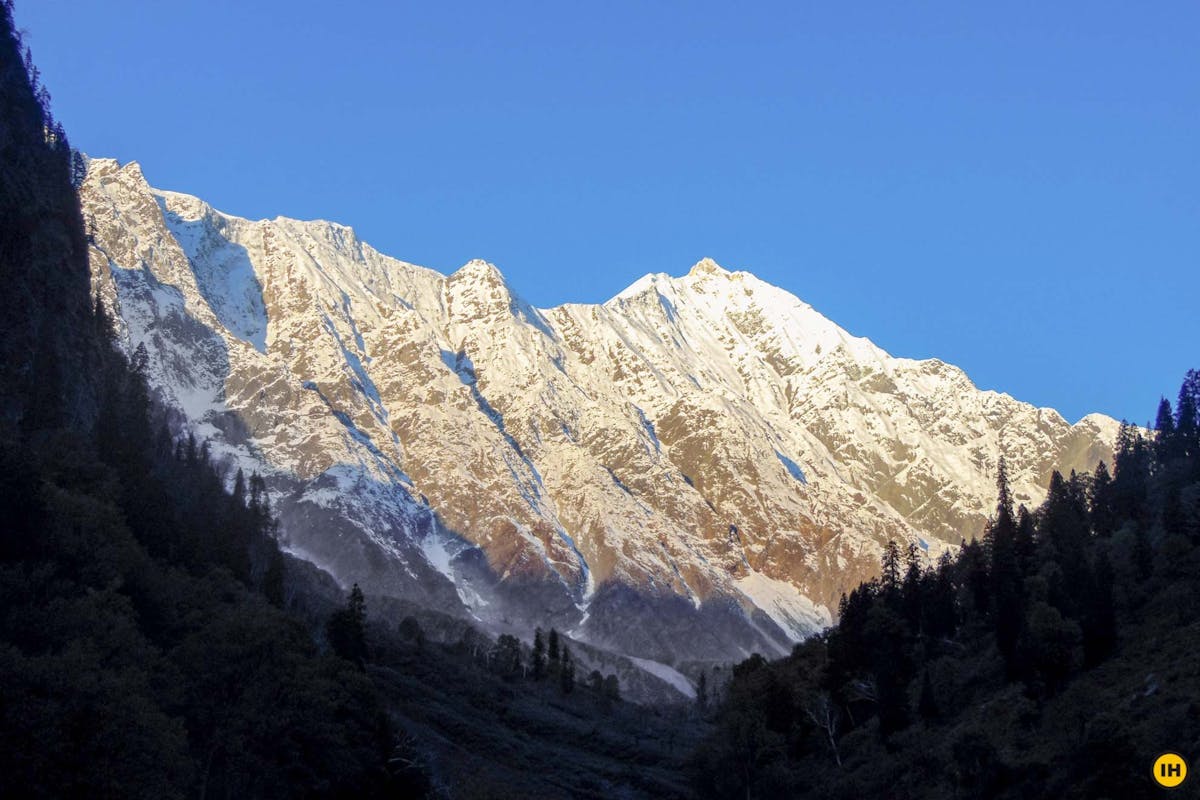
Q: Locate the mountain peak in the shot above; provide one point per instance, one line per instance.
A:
(478, 270)
(706, 266)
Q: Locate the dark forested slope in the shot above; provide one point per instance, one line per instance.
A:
(43, 254)
(154, 642)
(142, 652)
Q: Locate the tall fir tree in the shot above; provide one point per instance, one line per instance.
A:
(1166, 444)
(1007, 580)
(911, 589)
(939, 609)
(537, 660)
(1103, 516)
(1187, 420)
(975, 564)
(1099, 623)
(346, 629)
(1131, 468)
(566, 672)
(927, 706)
(553, 658)
(889, 575)
(1024, 540)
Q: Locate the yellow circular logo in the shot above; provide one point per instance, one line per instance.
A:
(1170, 770)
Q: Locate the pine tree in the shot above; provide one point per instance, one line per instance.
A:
(1006, 575)
(1130, 470)
(78, 169)
(979, 582)
(1023, 540)
(1143, 554)
(1187, 420)
(911, 589)
(1063, 535)
(538, 662)
(890, 667)
(552, 653)
(889, 575)
(702, 691)
(1100, 616)
(133, 443)
(1049, 646)
(239, 490)
(848, 647)
(357, 607)
(274, 577)
(612, 688)
(1174, 520)
(346, 629)
(1009, 608)
(1165, 441)
(45, 410)
(506, 656)
(939, 612)
(1004, 504)
(1102, 513)
(927, 705)
(566, 674)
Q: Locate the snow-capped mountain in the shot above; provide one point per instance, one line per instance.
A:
(695, 469)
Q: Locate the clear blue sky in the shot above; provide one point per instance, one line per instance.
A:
(1011, 187)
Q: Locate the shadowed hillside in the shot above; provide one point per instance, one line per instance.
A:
(155, 642)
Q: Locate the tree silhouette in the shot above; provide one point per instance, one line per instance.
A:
(566, 673)
(347, 628)
(538, 658)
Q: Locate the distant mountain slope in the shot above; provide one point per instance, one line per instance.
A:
(695, 469)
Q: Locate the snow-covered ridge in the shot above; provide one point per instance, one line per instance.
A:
(694, 469)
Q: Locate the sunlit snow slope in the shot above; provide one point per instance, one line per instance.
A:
(695, 469)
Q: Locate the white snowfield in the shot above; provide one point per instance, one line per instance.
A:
(693, 470)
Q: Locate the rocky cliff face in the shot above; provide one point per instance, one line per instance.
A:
(695, 469)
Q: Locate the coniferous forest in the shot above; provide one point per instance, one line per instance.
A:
(143, 649)
(155, 642)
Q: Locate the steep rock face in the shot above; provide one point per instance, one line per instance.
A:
(695, 469)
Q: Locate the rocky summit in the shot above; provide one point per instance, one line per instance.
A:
(694, 470)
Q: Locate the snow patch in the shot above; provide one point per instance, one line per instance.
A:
(434, 549)
(670, 675)
(224, 273)
(798, 616)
